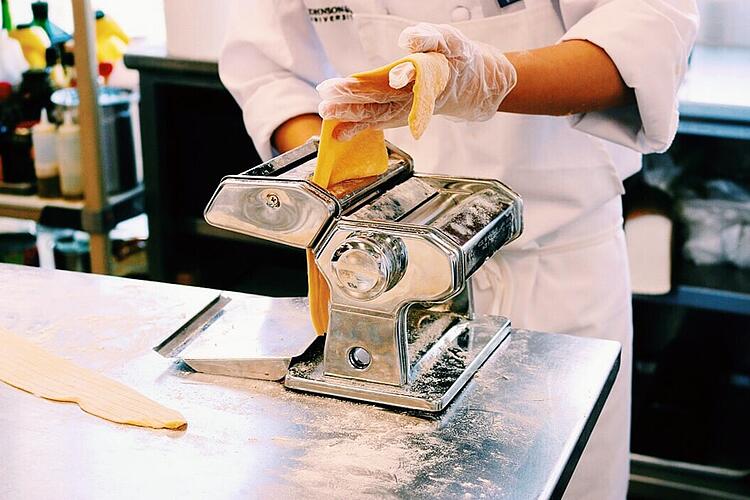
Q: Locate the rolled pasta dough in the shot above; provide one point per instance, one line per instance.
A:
(32, 369)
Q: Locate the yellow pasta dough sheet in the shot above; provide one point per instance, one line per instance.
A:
(32, 369)
(339, 162)
(431, 76)
(366, 155)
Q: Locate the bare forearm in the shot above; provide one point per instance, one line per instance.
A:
(575, 76)
(295, 131)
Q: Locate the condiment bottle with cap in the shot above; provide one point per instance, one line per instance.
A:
(69, 158)
(57, 36)
(34, 41)
(18, 162)
(44, 139)
(6, 118)
(12, 61)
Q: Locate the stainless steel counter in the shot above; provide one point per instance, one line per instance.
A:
(515, 431)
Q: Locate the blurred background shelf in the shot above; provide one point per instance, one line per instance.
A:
(652, 477)
(723, 288)
(717, 107)
(691, 358)
(53, 212)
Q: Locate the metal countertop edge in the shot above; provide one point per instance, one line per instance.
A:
(580, 445)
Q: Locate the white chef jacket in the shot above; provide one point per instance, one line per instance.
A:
(648, 40)
(568, 272)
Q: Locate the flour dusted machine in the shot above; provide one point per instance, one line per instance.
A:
(397, 251)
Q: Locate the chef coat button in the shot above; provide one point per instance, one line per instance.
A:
(460, 13)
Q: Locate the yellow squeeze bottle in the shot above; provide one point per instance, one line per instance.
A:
(111, 40)
(34, 42)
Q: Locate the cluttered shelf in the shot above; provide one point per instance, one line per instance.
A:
(717, 107)
(40, 138)
(720, 287)
(702, 186)
(59, 212)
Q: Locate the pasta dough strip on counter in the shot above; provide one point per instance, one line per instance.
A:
(32, 369)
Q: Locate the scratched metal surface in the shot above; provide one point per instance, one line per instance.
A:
(509, 434)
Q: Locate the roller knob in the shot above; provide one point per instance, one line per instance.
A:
(368, 265)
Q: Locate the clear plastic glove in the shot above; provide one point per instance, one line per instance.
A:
(359, 106)
(480, 78)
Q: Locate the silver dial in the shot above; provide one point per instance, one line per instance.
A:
(366, 265)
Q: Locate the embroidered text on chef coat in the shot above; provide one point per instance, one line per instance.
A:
(330, 14)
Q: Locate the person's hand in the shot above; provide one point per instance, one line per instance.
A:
(480, 78)
(359, 105)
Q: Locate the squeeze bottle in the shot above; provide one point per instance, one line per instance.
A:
(69, 158)
(44, 138)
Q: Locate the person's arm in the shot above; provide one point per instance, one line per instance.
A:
(270, 62)
(572, 77)
(615, 74)
(649, 41)
(575, 76)
(296, 131)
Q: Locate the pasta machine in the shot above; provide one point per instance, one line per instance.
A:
(397, 251)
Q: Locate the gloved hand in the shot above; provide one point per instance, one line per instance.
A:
(480, 78)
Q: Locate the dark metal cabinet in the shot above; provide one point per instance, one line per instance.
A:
(193, 135)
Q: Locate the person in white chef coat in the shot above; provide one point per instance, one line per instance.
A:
(556, 98)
